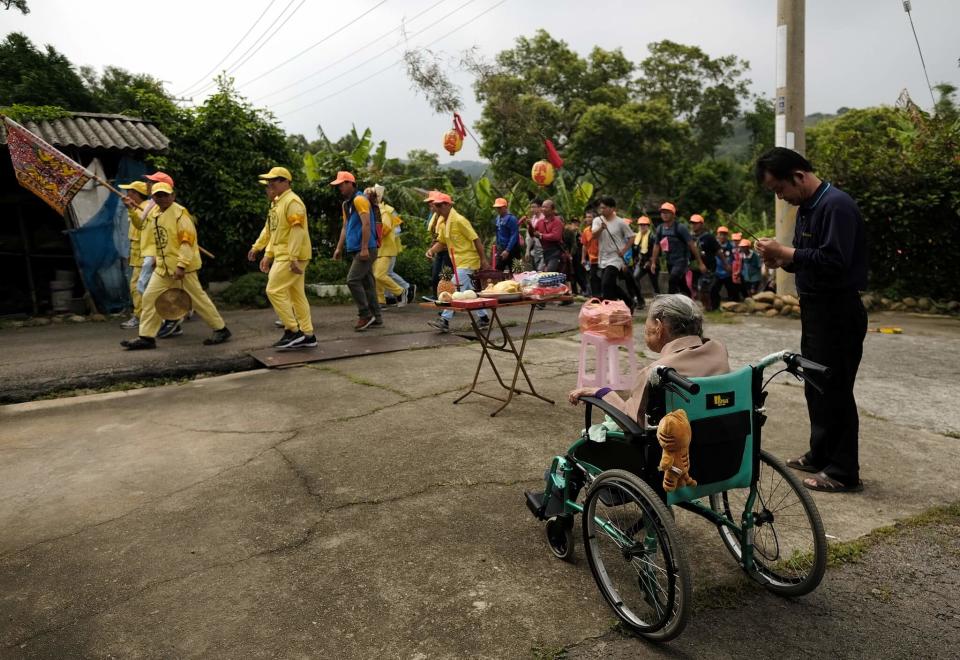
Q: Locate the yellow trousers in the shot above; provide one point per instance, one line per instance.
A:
(285, 289)
(150, 321)
(383, 281)
(134, 293)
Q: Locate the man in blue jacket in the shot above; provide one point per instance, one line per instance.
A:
(359, 237)
(829, 257)
(508, 236)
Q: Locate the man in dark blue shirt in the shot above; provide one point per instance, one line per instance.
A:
(508, 236)
(829, 257)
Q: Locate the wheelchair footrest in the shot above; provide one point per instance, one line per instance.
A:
(535, 504)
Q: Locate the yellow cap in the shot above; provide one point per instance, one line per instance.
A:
(161, 188)
(139, 186)
(278, 173)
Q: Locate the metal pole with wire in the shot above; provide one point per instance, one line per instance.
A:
(907, 7)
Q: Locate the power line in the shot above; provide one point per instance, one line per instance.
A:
(255, 47)
(317, 43)
(369, 43)
(370, 59)
(230, 52)
(907, 7)
(400, 61)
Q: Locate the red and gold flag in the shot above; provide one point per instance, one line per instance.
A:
(42, 169)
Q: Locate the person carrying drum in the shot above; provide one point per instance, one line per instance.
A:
(178, 260)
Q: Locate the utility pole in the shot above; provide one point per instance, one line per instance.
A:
(789, 112)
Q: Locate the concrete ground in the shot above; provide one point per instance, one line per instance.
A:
(350, 510)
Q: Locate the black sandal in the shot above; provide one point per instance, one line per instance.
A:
(801, 464)
(825, 484)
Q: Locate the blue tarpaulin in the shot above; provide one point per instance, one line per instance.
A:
(101, 244)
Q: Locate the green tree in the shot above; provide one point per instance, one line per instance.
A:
(706, 92)
(901, 166)
(16, 4)
(216, 152)
(118, 91)
(541, 88)
(29, 76)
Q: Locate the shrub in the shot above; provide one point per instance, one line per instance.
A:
(248, 291)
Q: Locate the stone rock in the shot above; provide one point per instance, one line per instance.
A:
(886, 302)
(898, 307)
(57, 319)
(868, 301)
(790, 300)
(762, 306)
(953, 306)
(41, 320)
(909, 302)
(728, 306)
(740, 308)
(765, 297)
(795, 312)
(924, 303)
(17, 324)
(771, 312)
(785, 310)
(778, 303)
(76, 318)
(99, 318)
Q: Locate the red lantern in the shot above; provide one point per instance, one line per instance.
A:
(452, 141)
(542, 173)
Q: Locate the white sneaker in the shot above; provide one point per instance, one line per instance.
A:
(132, 322)
(403, 298)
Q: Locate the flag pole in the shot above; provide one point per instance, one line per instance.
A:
(123, 196)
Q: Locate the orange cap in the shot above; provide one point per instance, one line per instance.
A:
(431, 196)
(500, 202)
(643, 220)
(343, 176)
(722, 229)
(161, 177)
(667, 206)
(696, 218)
(736, 236)
(744, 242)
(442, 198)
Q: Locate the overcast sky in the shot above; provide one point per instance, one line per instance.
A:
(859, 52)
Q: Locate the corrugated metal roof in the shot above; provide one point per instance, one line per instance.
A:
(89, 130)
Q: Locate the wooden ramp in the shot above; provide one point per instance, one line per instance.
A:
(373, 344)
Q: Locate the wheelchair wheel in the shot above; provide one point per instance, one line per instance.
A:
(632, 546)
(560, 537)
(789, 546)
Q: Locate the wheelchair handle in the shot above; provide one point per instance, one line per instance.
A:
(795, 360)
(661, 376)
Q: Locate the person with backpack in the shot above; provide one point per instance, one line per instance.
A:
(614, 239)
(358, 238)
(674, 239)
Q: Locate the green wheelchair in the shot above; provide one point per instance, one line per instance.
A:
(766, 518)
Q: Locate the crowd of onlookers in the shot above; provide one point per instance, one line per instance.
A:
(609, 256)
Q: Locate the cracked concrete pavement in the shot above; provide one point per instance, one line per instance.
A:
(350, 510)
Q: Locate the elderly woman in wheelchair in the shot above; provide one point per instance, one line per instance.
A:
(764, 516)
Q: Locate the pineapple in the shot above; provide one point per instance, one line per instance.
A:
(446, 282)
(517, 266)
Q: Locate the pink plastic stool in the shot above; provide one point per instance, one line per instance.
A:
(607, 373)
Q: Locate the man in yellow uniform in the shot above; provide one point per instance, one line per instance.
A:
(389, 249)
(263, 240)
(135, 201)
(178, 260)
(287, 253)
(456, 234)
